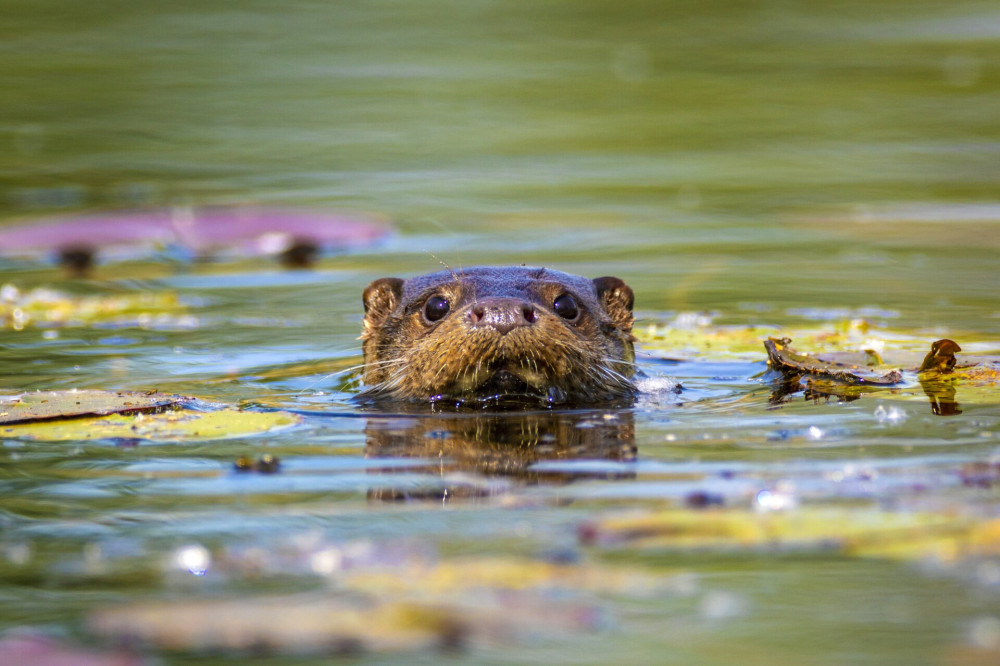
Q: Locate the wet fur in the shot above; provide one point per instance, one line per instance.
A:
(586, 361)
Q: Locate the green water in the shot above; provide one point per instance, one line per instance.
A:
(769, 162)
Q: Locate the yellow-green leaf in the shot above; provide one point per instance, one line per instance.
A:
(43, 405)
(173, 425)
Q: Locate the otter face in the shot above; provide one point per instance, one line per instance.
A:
(498, 333)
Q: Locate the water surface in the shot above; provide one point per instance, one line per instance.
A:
(767, 163)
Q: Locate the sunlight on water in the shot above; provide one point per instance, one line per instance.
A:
(781, 165)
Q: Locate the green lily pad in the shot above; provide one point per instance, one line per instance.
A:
(709, 341)
(66, 404)
(863, 533)
(457, 577)
(48, 308)
(170, 426)
(412, 605)
(301, 624)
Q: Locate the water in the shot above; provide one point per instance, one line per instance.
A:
(769, 163)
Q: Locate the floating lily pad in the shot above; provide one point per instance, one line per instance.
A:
(392, 605)
(295, 235)
(866, 533)
(310, 624)
(461, 575)
(172, 425)
(301, 624)
(28, 648)
(66, 404)
(706, 341)
(47, 308)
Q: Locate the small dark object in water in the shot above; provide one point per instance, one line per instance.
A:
(78, 260)
(301, 253)
(980, 474)
(941, 357)
(588, 533)
(700, 499)
(266, 464)
(492, 335)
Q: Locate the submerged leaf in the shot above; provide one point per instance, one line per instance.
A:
(65, 404)
(173, 425)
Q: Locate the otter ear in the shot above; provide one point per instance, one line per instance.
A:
(617, 299)
(380, 299)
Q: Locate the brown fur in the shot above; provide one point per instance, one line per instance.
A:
(586, 360)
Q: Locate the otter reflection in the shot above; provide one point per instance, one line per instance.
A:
(500, 445)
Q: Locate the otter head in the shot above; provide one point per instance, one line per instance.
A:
(496, 334)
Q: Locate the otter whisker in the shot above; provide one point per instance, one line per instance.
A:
(498, 335)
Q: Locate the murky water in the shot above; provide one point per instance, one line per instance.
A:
(767, 163)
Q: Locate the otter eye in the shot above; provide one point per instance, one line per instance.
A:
(435, 308)
(565, 306)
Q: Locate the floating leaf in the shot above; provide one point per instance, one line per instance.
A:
(783, 358)
(296, 236)
(47, 308)
(173, 425)
(391, 605)
(941, 357)
(867, 533)
(65, 404)
(303, 624)
(462, 575)
(856, 337)
(27, 648)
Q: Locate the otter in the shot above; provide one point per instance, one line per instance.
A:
(499, 335)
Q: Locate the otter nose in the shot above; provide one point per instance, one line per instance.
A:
(503, 314)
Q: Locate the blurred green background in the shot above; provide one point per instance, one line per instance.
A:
(713, 153)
